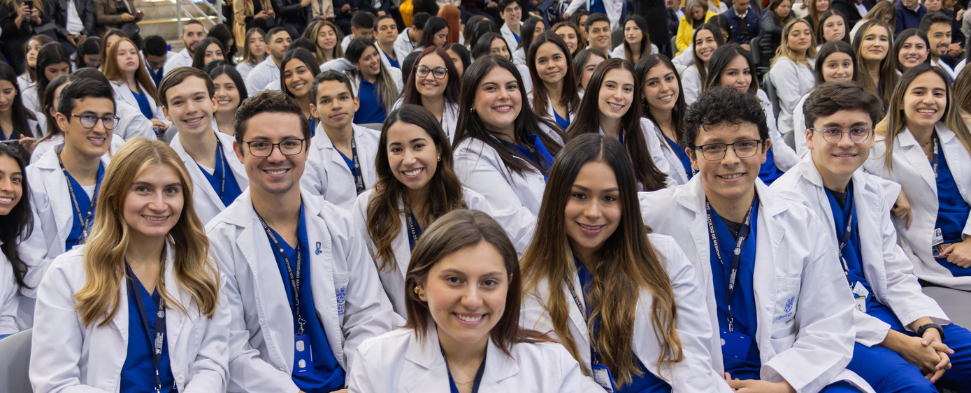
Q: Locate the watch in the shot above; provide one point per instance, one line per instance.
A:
(923, 328)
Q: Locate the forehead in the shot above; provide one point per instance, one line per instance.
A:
(94, 104)
(193, 28)
(280, 35)
(929, 80)
(331, 88)
(600, 24)
(619, 75)
(914, 40)
(158, 174)
(497, 42)
(704, 34)
(548, 48)
(845, 117)
(384, 22)
(273, 126)
(939, 27)
(125, 45)
(565, 30)
(498, 75)
(213, 46)
(294, 63)
(838, 56)
(190, 85)
(432, 59)
(877, 30)
(737, 62)
(401, 131)
(727, 133)
(475, 260)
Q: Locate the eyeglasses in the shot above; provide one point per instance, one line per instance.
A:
(288, 147)
(834, 134)
(716, 151)
(89, 121)
(438, 72)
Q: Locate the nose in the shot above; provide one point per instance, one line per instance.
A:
(409, 157)
(157, 202)
(592, 211)
(276, 155)
(845, 141)
(6, 184)
(619, 94)
(503, 94)
(472, 299)
(731, 157)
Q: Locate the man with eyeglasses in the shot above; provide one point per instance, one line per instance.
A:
(771, 280)
(341, 163)
(902, 335)
(511, 12)
(302, 288)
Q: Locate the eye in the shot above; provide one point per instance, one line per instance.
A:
(172, 190)
(453, 280)
(17, 180)
(394, 150)
(418, 146)
(141, 189)
(490, 282)
(579, 196)
(610, 198)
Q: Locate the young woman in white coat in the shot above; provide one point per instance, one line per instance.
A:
(554, 95)
(707, 39)
(18, 125)
(873, 45)
(731, 66)
(923, 144)
(623, 303)
(609, 107)
(133, 86)
(494, 44)
(836, 62)
(297, 72)
(462, 293)
(663, 105)
(138, 306)
(536, 26)
(791, 71)
(434, 83)
(637, 43)
(377, 86)
(15, 223)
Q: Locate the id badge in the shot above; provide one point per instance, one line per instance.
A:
(860, 294)
(302, 359)
(938, 237)
(601, 374)
(938, 250)
(735, 344)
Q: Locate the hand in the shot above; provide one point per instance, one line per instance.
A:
(35, 16)
(566, 16)
(756, 386)
(494, 5)
(304, 3)
(901, 209)
(161, 125)
(960, 14)
(927, 353)
(27, 143)
(127, 17)
(24, 11)
(340, 391)
(381, 13)
(262, 15)
(139, 14)
(955, 50)
(959, 253)
(346, 7)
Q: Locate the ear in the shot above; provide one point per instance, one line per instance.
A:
(357, 104)
(765, 151)
(809, 139)
(62, 121)
(215, 105)
(165, 112)
(238, 149)
(691, 156)
(313, 111)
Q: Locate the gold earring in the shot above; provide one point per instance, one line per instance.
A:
(439, 158)
(418, 290)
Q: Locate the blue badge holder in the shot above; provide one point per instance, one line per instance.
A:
(736, 345)
(302, 359)
(601, 374)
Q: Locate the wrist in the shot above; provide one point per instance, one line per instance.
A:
(928, 326)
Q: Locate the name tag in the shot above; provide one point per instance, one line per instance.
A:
(860, 294)
(735, 344)
(302, 358)
(601, 374)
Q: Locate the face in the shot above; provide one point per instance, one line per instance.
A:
(592, 62)
(845, 156)
(731, 178)
(569, 35)
(257, 45)
(427, 85)
(279, 43)
(498, 100)
(466, 294)
(456, 61)
(55, 70)
(550, 63)
(11, 184)
(876, 43)
(387, 31)
(632, 33)
(213, 53)
(91, 143)
(800, 38)
(705, 44)
(822, 6)
(741, 7)
(112, 38)
(599, 34)
(155, 62)
(370, 62)
(833, 28)
(189, 106)
(539, 29)
(334, 105)
(838, 67)
(593, 210)
(616, 93)
(512, 14)
(932, 5)
(153, 204)
(297, 77)
(412, 155)
(326, 38)
(127, 57)
(661, 88)
(498, 47)
(785, 8)
(363, 32)
(912, 52)
(7, 94)
(939, 36)
(227, 94)
(191, 35)
(583, 20)
(440, 38)
(909, 3)
(673, 5)
(697, 13)
(32, 48)
(277, 173)
(925, 100)
(737, 74)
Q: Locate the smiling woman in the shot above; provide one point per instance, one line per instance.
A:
(297, 72)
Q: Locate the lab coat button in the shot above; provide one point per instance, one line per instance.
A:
(262, 321)
(179, 379)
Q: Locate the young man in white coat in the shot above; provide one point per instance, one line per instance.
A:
(192, 33)
(598, 33)
(407, 41)
(341, 159)
(302, 290)
(386, 30)
(268, 70)
(773, 286)
(511, 12)
(188, 101)
(890, 307)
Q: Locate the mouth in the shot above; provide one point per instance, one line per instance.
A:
(845, 156)
(469, 319)
(155, 219)
(666, 98)
(616, 107)
(503, 108)
(731, 176)
(591, 230)
(927, 111)
(224, 102)
(193, 121)
(430, 85)
(338, 116)
(413, 173)
(876, 50)
(299, 85)
(97, 141)
(276, 172)
(6, 200)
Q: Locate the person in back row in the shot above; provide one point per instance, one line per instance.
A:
(192, 33)
(277, 41)
(301, 288)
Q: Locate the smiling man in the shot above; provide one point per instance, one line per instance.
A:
(511, 12)
(192, 33)
(773, 286)
(341, 163)
(937, 26)
(598, 32)
(187, 96)
(387, 32)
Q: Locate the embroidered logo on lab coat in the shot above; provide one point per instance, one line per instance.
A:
(788, 310)
(341, 296)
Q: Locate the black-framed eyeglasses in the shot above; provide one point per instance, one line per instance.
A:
(717, 151)
(834, 134)
(288, 147)
(438, 72)
(89, 121)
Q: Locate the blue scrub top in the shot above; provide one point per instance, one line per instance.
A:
(393, 62)
(952, 212)
(372, 109)
(138, 372)
(84, 203)
(852, 253)
(545, 160)
(685, 160)
(564, 123)
(597, 7)
(348, 161)
(647, 382)
(231, 189)
(769, 172)
(743, 298)
(143, 105)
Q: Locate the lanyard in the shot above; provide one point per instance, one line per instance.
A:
(846, 234)
(736, 255)
(220, 170)
(294, 278)
(934, 157)
(478, 374)
(86, 219)
(155, 344)
(358, 177)
(594, 356)
(413, 233)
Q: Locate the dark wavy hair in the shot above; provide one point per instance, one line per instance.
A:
(302, 55)
(527, 32)
(432, 26)
(452, 87)
(722, 104)
(90, 46)
(828, 49)
(19, 223)
(49, 107)
(49, 54)
(19, 115)
(644, 66)
(484, 43)
(217, 68)
(720, 59)
(569, 98)
(898, 44)
(221, 32)
(199, 56)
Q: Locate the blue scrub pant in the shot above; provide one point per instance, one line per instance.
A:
(886, 371)
(838, 387)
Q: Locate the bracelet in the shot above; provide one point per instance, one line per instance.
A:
(923, 328)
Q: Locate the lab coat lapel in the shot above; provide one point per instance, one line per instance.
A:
(812, 175)
(498, 367)
(769, 238)
(425, 364)
(55, 183)
(956, 153)
(577, 319)
(178, 325)
(329, 311)
(692, 197)
(868, 208)
(239, 172)
(199, 181)
(916, 157)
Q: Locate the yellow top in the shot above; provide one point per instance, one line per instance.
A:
(686, 31)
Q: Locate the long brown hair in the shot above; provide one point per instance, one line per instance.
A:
(452, 232)
(716, 34)
(628, 264)
(888, 66)
(569, 98)
(104, 253)
(249, 57)
(311, 34)
(445, 190)
(114, 73)
(783, 50)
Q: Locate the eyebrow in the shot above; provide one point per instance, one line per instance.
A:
(582, 188)
(145, 183)
(857, 124)
(14, 173)
(459, 272)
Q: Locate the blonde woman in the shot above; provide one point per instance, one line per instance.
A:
(136, 308)
(791, 71)
(327, 37)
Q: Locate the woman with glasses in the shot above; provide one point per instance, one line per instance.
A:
(835, 62)
(435, 84)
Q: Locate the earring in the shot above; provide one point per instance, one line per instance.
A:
(439, 158)
(418, 290)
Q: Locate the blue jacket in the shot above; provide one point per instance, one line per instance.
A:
(908, 19)
(742, 35)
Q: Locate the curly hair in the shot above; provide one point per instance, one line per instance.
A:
(722, 105)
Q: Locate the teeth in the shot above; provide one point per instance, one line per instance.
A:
(98, 140)
(926, 111)
(615, 106)
(590, 227)
(469, 318)
(6, 200)
(278, 172)
(156, 218)
(737, 175)
(413, 172)
(504, 108)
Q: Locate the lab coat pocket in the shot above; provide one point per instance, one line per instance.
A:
(784, 309)
(340, 289)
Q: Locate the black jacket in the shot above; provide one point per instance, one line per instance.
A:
(291, 13)
(848, 9)
(85, 10)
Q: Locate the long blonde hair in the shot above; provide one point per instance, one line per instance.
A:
(104, 253)
(785, 51)
(114, 73)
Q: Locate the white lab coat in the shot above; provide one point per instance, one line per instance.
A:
(450, 118)
(913, 171)
(549, 107)
(181, 59)
(9, 297)
(667, 157)
(43, 146)
(399, 362)
(244, 69)
(204, 196)
(132, 123)
(124, 94)
(403, 45)
(805, 319)
(520, 233)
(783, 155)
(799, 126)
(946, 67)
(384, 57)
(24, 82)
(791, 81)
(511, 40)
(346, 41)
(29, 97)
(886, 266)
(519, 56)
(345, 66)
(619, 53)
(653, 144)
(261, 75)
(613, 8)
(67, 356)
(347, 294)
(327, 175)
(691, 83)
(693, 374)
